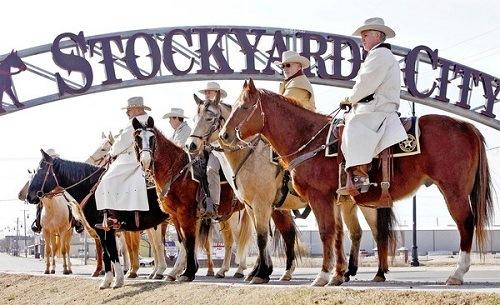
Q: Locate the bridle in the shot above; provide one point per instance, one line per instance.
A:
(216, 125)
(258, 104)
(151, 147)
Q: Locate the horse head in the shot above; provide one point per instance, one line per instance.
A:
(145, 143)
(99, 155)
(43, 180)
(14, 61)
(246, 118)
(209, 119)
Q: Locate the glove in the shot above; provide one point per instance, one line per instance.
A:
(345, 104)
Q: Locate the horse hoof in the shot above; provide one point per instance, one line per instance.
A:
(347, 278)
(257, 280)
(238, 275)
(170, 278)
(454, 281)
(336, 281)
(46, 272)
(184, 278)
(131, 275)
(66, 272)
(248, 278)
(378, 279)
(319, 282)
(117, 284)
(210, 273)
(220, 275)
(52, 272)
(158, 277)
(70, 272)
(286, 277)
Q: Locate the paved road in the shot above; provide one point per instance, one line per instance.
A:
(481, 278)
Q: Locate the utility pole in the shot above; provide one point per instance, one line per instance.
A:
(17, 238)
(25, 238)
(414, 252)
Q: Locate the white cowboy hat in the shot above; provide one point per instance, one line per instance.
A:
(377, 24)
(214, 86)
(51, 152)
(136, 102)
(292, 56)
(175, 113)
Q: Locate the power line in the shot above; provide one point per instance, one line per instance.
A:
(471, 38)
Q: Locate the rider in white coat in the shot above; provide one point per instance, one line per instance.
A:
(373, 123)
(123, 186)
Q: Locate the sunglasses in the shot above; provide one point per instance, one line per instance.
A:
(286, 66)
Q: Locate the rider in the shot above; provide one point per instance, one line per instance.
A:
(373, 124)
(176, 118)
(295, 84)
(37, 225)
(213, 164)
(123, 186)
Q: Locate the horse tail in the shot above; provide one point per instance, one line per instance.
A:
(481, 195)
(244, 235)
(386, 222)
(205, 231)
(58, 249)
(278, 239)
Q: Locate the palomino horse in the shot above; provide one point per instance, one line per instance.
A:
(11, 61)
(452, 156)
(57, 232)
(79, 180)
(130, 240)
(259, 192)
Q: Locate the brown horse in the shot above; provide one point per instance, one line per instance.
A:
(260, 192)
(452, 156)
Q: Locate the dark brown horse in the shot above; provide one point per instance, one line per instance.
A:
(452, 156)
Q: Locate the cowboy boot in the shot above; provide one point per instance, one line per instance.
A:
(360, 179)
(110, 221)
(211, 208)
(37, 226)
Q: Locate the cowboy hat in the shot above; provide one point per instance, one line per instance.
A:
(292, 56)
(215, 87)
(175, 113)
(136, 102)
(377, 24)
(51, 152)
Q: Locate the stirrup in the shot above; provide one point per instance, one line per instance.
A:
(108, 224)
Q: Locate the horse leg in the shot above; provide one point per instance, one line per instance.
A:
(284, 223)
(121, 244)
(350, 216)
(227, 236)
(54, 250)
(189, 232)
(132, 240)
(157, 240)
(207, 245)
(65, 244)
(98, 257)
(47, 237)
(460, 211)
(382, 247)
(14, 98)
(180, 263)
(264, 264)
(340, 264)
(243, 238)
(321, 205)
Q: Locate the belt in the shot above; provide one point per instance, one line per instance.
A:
(366, 99)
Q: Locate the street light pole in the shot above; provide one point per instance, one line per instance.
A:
(414, 252)
(25, 239)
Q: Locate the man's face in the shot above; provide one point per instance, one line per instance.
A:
(210, 94)
(370, 38)
(291, 68)
(135, 111)
(174, 122)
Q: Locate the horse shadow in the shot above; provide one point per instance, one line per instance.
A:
(11, 61)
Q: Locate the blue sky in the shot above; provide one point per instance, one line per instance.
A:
(463, 31)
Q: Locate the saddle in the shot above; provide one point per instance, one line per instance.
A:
(383, 162)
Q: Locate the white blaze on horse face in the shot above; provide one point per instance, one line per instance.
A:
(145, 156)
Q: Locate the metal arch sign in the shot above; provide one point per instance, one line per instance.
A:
(86, 65)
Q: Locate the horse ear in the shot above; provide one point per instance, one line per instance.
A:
(111, 138)
(12, 52)
(29, 171)
(150, 123)
(136, 124)
(251, 86)
(197, 99)
(245, 84)
(103, 136)
(45, 155)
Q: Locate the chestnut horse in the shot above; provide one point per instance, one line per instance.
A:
(452, 156)
(260, 192)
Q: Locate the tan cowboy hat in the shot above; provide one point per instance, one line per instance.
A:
(292, 56)
(175, 113)
(214, 86)
(136, 102)
(51, 152)
(377, 24)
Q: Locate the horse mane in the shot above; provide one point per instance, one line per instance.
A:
(74, 171)
(162, 141)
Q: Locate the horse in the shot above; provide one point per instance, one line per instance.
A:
(57, 232)
(168, 164)
(130, 240)
(453, 157)
(79, 180)
(11, 61)
(259, 192)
